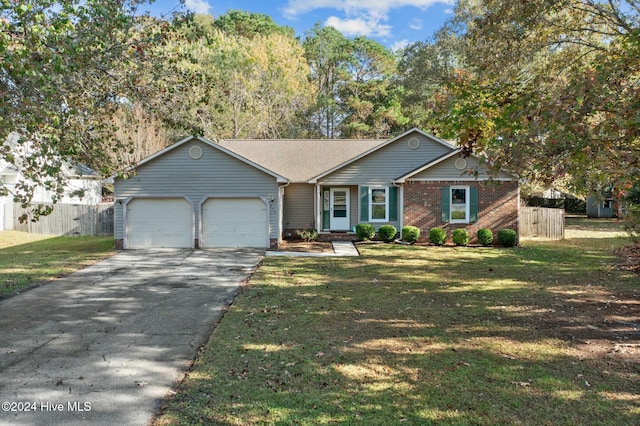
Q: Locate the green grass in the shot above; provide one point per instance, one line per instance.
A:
(420, 335)
(29, 259)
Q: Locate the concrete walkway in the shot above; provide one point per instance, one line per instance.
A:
(105, 345)
(340, 249)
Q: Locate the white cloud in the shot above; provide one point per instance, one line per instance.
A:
(361, 17)
(370, 7)
(398, 45)
(415, 24)
(198, 6)
(358, 26)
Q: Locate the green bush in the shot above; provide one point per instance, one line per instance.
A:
(307, 234)
(387, 233)
(437, 236)
(485, 237)
(365, 231)
(460, 237)
(507, 237)
(410, 234)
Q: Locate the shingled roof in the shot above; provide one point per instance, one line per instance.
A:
(299, 160)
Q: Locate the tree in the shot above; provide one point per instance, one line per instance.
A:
(231, 86)
(328, 53)
(371, 103)
(68, 67)
(423, 68)
(550, 89)
(248, 25)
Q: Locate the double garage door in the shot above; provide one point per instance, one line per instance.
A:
(170, 223)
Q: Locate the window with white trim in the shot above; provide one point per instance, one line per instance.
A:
(379, 204)
(459, 204)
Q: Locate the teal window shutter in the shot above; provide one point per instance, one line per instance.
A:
(473, 205)
(364, 203)
(326, 217)
(393, 203)
(446, 199)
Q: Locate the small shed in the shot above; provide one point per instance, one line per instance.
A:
(603, 208)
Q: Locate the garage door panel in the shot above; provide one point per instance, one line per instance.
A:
(159, 223)
(235, 222)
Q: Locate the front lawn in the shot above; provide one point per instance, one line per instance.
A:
(542, 334)
(30, 259)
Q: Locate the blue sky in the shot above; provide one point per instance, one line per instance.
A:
(393, 23)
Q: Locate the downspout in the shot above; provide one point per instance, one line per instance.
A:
(400, 202)
(281, 212)
(316, 208)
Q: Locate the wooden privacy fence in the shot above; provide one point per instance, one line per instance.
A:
(542, 222)
(69, 219)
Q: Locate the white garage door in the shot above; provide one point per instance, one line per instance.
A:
(235, 222)
(159, 222)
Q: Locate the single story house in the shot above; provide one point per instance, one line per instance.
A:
(253, 193)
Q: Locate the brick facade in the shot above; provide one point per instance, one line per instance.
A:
(498, 206)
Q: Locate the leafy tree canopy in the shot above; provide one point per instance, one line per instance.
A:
(548, 88)
(67, 67)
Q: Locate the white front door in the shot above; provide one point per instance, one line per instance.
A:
(339, 209)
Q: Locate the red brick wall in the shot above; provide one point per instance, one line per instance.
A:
(497, 207)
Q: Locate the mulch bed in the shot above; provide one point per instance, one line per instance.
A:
(306, 246)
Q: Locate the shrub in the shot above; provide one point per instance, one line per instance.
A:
(460, 237)
(365, 231)
(307, 234)
(387, 233)
(485, 237)
(437, 236)
(507, 237)
(410, 233)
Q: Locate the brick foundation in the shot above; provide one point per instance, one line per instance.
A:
(497, 207)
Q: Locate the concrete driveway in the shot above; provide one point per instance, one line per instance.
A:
(106, 344)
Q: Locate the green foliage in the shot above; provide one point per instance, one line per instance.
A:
(485, 237)
(365, 231)
(410, 233)
(437, 236)
(68, 68)
(632, 222)
(547, 89)
(387, 233)
(307, 234)
(460, 237)
(507, 237)
(248, 25)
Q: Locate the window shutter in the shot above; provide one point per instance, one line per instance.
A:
(364, 203)
(393, 203)
(446, 198)
(473, 205)
(326, 217)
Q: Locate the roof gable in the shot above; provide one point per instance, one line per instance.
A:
(407, 159)
(278, 177)
(448, 166)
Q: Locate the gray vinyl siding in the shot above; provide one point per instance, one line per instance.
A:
(388, 163)
(216, 174)
(446, 170)
(298, 206)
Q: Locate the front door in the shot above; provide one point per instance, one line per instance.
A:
(339, 209)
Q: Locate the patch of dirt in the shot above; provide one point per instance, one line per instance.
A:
(306, 246)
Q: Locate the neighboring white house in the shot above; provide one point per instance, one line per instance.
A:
(81, 179)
